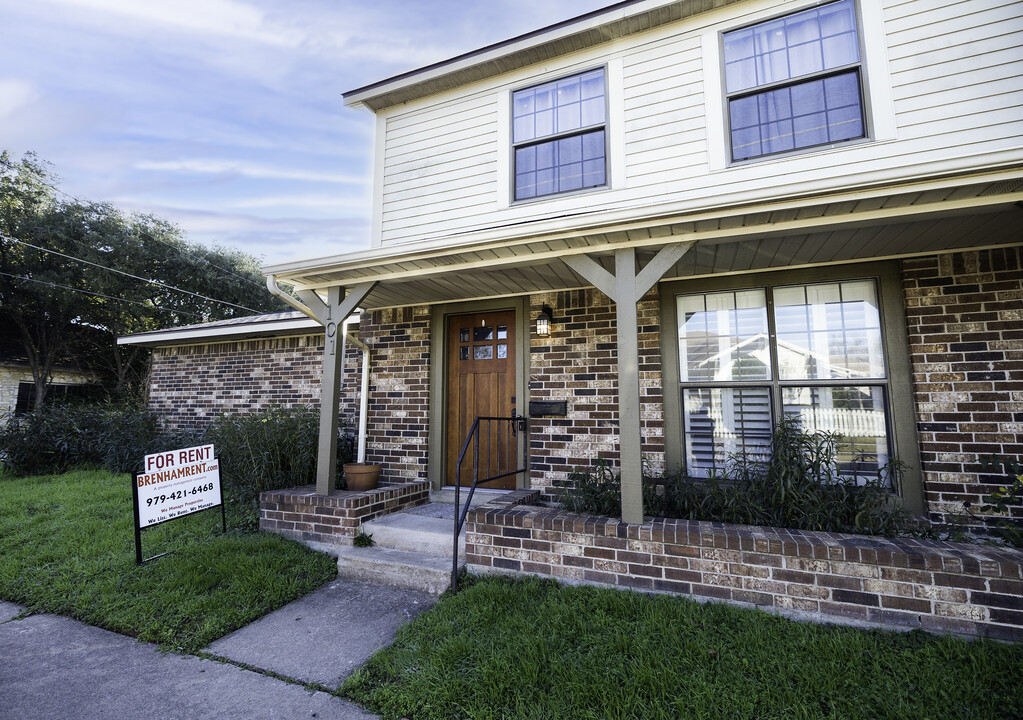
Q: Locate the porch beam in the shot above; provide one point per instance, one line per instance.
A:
(626, 288)
(332, 314)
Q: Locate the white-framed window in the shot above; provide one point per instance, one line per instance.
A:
(814, 351)
(559, 136)
(794, 82)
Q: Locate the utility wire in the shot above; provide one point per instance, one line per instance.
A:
(134, 277)
(96, 294)
(165, 242)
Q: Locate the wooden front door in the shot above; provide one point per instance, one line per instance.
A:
(481, 383)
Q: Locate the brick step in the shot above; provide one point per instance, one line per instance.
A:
(397, 568)
(415, 533)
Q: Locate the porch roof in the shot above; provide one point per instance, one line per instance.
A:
(920, 218)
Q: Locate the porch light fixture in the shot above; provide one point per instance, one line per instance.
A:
(543, 322)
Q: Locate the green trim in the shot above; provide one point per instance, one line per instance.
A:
(439, 314)
(888, 275)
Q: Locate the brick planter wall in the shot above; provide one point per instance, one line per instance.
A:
(190, 385)
(578, 363)
(301, 514)
(964, 315)
(898, 583)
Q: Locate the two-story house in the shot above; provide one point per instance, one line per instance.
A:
(686, 220)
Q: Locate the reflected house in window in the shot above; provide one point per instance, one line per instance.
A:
(737, 212)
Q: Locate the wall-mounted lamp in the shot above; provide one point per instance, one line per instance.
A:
(543, 322)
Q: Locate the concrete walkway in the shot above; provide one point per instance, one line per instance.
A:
(52, 667)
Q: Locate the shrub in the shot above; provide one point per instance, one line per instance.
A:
(60, 437)
(269, 450)
(795, 485)
(1005, 498)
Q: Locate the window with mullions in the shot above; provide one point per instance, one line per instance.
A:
(558, 136)
(794, 82)
(748, 357)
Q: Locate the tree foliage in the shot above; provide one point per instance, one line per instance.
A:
(61, 299)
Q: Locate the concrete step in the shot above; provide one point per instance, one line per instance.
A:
(482, 495)
(397, 568)
(415, 533)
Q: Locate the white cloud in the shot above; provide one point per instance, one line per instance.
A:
(206, 17)
(252, 170)
(15, 95)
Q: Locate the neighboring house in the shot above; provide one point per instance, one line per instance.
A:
(822, 198)
(17, 386)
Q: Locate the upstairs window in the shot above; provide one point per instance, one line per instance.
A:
(559, 136)
(794, 82)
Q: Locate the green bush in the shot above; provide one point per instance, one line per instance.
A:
(60, 437)
(268, 450)
(795, 485)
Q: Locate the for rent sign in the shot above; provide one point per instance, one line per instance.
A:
(176, 483)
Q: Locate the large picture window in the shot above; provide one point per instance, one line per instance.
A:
(794, 82)
(811, 351)
(559, 136)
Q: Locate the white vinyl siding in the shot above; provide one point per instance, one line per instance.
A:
(946, 94)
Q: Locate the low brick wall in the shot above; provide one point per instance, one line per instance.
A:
(301, 514)
(855, 579)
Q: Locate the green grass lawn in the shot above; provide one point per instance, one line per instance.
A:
(67, 546)
(529, 648)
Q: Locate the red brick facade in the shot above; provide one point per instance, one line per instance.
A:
(578, 364)
(399, 390)
(964, 315)
(190, 385)
(964, 320)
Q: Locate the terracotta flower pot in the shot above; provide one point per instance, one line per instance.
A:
(362, 476)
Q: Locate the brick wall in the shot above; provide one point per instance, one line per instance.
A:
(964, 315)
(191, 385)
(902, 583)
(578, 364)
(399, 390)
(334, 520)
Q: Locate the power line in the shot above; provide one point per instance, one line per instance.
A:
(165, 242)
(134, 277)
(96, 294)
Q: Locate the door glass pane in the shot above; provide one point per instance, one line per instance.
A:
(463, 335)
(463, 352)
(857, 413)
(502, 332)
(483, 352)
(481, 334)
(828, 331)
(720, 422)
(502, 351)
(723, 336)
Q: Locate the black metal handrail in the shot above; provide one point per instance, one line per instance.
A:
(516, 424)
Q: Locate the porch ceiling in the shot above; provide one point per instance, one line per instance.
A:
(836, 229)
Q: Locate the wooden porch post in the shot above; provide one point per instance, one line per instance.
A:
(331, 314)
(626, 288)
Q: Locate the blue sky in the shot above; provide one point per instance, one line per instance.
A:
(225, 116)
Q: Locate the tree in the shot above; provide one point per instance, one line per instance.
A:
(74, 275)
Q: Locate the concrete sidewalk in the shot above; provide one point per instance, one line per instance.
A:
(53, 667)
